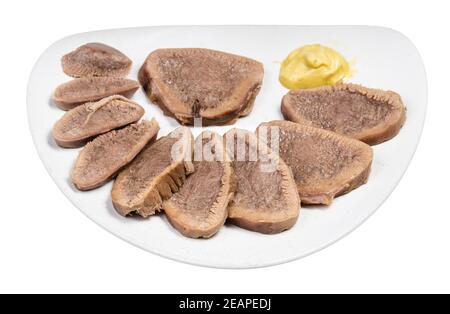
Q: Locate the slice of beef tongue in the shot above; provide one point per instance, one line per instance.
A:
(78, 91)
(369, 115)
(157, 172)
(266, 198)
(79, 125)
(101, 159)
(96, 59)
(324, 164)
(189, 83)
(199, 208)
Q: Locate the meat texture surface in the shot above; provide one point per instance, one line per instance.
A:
(266, 198)
(369, 115)
(215, 86)
(156, 173)
(96, 59)
(101, 159)
(199, 208)
(87, 89)
(324, 164)
(82, 123)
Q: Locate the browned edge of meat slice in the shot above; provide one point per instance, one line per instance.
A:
(189, 83)
(96, 59)
(100, 160)
(87, 89)
(266, 198)
(199, 208)
(324, 164)
(80, 124)
(155, 174)
(369, 115)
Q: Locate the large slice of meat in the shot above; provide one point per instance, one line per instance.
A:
(87, 89)
(157, 172)
(370, 115)
(199, 208)
(215, 86)
(82, 123)
(324, 164)
(101, 159)
(96, 59)
(266, 198)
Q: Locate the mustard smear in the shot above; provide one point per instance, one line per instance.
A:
(313, 66)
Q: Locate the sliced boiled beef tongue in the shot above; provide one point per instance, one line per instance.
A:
(87, 89)
(84, 122)
(96, 59)
(266, 198)
(101, 159)
(157, 172)
(369, 115)
(189, 83)
(324, 164)
(199, 208)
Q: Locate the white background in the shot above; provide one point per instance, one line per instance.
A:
(47, 245)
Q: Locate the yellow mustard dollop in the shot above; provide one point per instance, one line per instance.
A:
(313, 66)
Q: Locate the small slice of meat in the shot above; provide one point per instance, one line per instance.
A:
(324, 164)
(199, 208)
(82, 123)
(96, 59)
(369, 115)
(157, 172)
(189, 83)
(107, 154)
(81, 90)
(266, 198)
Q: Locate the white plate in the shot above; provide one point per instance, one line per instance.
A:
(382, 57)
